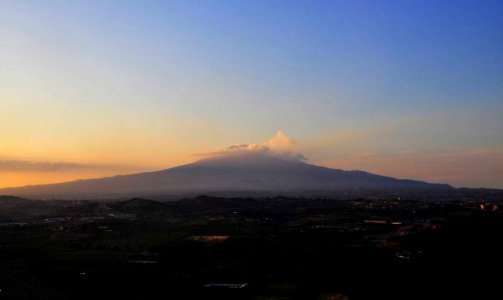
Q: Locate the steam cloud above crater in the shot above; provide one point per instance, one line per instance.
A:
(279, 146)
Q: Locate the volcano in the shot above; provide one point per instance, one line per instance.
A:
(244, 172)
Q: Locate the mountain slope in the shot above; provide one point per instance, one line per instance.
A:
(248, 172)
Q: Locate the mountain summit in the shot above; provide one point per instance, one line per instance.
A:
(240, 172)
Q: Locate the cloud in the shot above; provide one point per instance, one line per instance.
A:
(279, 146)
(280, 142)
(44, 166)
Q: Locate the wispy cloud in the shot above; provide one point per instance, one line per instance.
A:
(9, 165)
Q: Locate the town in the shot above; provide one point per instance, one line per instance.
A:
(252, 248)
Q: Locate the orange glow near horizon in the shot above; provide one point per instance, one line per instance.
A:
(16, 179)
(100, 157)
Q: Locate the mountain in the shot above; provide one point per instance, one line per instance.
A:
(245, 172)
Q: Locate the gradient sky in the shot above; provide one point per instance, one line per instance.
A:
(402, 88)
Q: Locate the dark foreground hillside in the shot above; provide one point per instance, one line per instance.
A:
(240, 248)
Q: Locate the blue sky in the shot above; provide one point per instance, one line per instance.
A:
(345, 79)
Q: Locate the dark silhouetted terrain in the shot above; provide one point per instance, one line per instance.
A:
(240, 174)
(446, 246)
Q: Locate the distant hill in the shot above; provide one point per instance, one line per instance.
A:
(247, 172)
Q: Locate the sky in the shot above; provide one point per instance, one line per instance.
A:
(410, 89)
